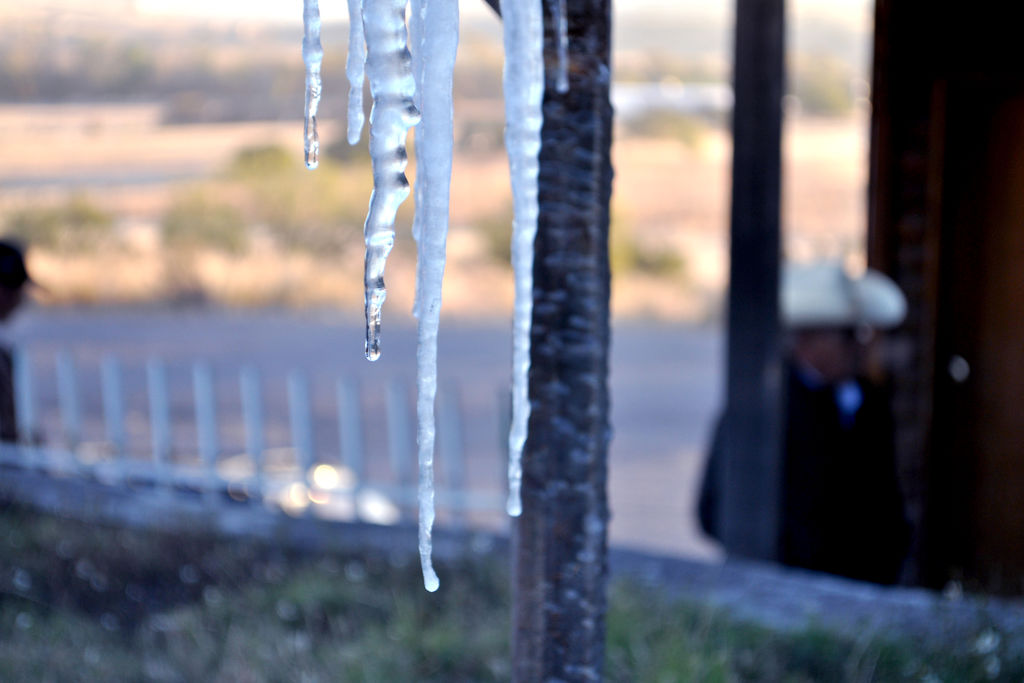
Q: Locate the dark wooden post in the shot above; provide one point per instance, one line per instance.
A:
(751, 477)
(560, 555)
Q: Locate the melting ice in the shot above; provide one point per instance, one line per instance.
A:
(402, 85)
(355, 66)
(434, 27)
(313, 56)
(524, 94)
(389, 69)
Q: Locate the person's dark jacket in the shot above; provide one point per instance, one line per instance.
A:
(841, 510)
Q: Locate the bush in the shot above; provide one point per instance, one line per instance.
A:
(76, 225)
(627, 255)
(320, 211)
(195, 220)
(344, 153)
(496, 231)
(822, 86)
(480, 137)
(253, 163)
(664, 123)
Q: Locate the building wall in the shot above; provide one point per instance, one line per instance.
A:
(944, 222)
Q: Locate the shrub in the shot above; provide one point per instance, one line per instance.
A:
(665, 123)
(625, 253)
(262, 162)
(321, 211)
(628, 255)
(496, 231)
(195, 220)
(76, 225)
(822, 86)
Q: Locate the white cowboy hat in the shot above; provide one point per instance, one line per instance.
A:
(825, 295)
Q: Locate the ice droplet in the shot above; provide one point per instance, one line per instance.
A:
(374, 302)
(431, 582)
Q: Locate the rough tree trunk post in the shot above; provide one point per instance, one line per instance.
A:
(560, 554)
(751, 475)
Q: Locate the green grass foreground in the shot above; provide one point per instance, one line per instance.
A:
(87, 603)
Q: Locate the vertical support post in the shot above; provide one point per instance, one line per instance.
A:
(453, 457)
(350, 431)
(400, 440)
(206, 427)
(113, 407)
(504, 404)
(751, 474)
(24, 397)
(301, 422)
(560, 540)
(67, 398)
(252, 415)
(159, 418)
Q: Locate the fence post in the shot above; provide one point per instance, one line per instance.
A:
(301, 423)
(504, 403)
(252, 415)
(451, 450)
(67, 399)
(159, 419)
(560, 540)
(400, 440)
(24, 395)
(350, 432)
(206, 428)
(113, 408)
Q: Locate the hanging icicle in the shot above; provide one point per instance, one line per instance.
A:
(402, 85)
(313, 57)
(388, 66)
(355, 70)
(524, 94)
(434, 30)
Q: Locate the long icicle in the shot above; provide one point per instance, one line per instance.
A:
(524, 94)
(355, 70)
(434, 30)
(388, 66)
(313, 57)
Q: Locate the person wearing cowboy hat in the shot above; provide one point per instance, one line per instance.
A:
(842, 511)
(13, 279)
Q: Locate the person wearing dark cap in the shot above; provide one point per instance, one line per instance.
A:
(13, 278)
(842, 511)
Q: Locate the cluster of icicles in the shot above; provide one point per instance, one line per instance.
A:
(409, 67)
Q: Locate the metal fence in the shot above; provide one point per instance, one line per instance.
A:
(208, 441)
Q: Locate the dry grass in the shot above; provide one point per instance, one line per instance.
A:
(667, 196)
(82, 602)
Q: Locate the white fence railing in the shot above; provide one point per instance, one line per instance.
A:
(101, 437)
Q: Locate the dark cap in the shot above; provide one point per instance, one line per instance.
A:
(12, 266)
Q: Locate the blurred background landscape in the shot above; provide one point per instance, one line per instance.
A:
(151, 159)
(149, 155)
